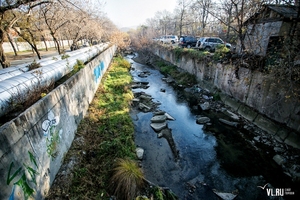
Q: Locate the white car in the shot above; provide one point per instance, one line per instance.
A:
(210, 43)
(168, 39)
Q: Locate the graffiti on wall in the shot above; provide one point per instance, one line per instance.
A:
(98, 71)
(53, 136)
(50, 122)
(25, 182)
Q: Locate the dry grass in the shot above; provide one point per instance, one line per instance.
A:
(127, 179)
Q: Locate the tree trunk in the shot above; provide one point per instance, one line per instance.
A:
(3, 62)
(229, 22)
(34, 49)
(57, 44)
(12, 44)
(45, 42)
(37, 52)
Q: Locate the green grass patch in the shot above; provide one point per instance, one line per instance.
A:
(108, 132)
(191, 53)
(181, 77)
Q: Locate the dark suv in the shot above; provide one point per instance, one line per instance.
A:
(187, 41)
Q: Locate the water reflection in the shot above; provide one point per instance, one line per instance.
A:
(197, 171)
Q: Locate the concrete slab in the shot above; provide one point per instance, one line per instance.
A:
(223, 96)
(247, 112)
(266, 124)
(282, 134)
(234, 104)
(293, 139)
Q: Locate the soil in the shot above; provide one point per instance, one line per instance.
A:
(28, 54)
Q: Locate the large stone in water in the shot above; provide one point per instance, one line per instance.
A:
(169, 117)
(202, 120)
(158, 126)
(158, 118)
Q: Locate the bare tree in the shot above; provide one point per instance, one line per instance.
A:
(24, 28)
(7, 23)
(56, 17)
(182, 13)
(202, 8)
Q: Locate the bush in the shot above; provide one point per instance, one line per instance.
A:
(192, 53)
(221, 51)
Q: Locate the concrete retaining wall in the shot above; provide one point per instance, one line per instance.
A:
(24, 46)
(34, 144)
(260, 98)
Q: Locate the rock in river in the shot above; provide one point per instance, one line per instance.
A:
(202, 120)
(169, 117)
(158, 126)
(159, 118)
(144, 108)
(205, 106)
(139, 153)
(235, 124)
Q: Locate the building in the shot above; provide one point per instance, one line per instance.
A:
(267, 31)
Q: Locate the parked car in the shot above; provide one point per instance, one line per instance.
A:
(168, 39)
(210, 43)
(187, 41)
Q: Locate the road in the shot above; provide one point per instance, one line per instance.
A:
(29, 57)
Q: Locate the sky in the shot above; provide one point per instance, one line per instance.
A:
(132, 13)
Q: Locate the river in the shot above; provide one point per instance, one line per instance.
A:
(207, 161)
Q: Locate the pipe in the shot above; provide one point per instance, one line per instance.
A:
(22, 68)
(15, 90)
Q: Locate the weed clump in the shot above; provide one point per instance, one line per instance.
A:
(79, 65)
(65, 56)
(127, 179)
(33, 65)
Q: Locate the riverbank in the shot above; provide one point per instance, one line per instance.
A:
(104, 135)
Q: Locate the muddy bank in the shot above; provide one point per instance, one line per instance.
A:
(243, 149)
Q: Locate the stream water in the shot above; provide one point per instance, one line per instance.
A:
(206, 161)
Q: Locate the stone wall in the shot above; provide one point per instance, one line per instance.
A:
(34, 144)
(258, 97)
